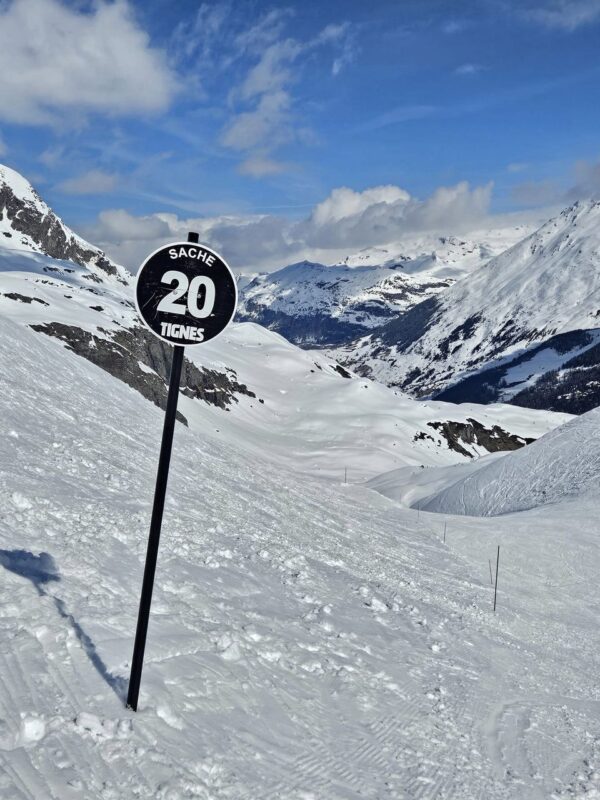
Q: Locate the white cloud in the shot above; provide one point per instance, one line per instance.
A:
(94, 181)
(345, 221)
(517, 166)
(263, 114)
(273, 71)
(268, 123)
(583, 182)
(3, 147)
(259, 166)
(385, 214)
(453, 26)
(587, 179)
(199, 38)
(345, 203)
(468, 69)
(567, 15)
(263, 33)
(538, 193)
(58, 60)
(121, 226)
(397, 116)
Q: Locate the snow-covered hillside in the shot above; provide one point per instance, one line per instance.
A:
(28, 224)
(531, 310)
(251, 385)
(318, 305)
(307, 639)
(562, 465)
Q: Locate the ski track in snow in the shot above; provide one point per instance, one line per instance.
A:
(308, 641)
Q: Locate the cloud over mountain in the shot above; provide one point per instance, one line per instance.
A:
(346, 219)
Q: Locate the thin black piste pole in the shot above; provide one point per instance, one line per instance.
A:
(496, 584)
(162, 476)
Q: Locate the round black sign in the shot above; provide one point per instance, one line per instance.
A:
(185, 293)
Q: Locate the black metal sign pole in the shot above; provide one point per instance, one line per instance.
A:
(137, 661)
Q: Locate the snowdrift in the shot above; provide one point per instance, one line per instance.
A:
(563, 464)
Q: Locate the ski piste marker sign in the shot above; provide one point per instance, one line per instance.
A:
(185, 293)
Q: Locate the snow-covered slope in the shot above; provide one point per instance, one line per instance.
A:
(316, 305)
(28, 224)
(307, 639)
(299, 405)
(532, 309)
(562, 465)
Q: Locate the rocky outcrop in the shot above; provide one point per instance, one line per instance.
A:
(33, 219)
(472, 432)
(142, 361)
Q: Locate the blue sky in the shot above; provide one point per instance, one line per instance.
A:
(119, 112)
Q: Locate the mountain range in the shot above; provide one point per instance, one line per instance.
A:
(509, 316)
(316, 305)
(271, 390)
(522, 329)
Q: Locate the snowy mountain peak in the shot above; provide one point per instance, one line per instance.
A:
(315, 304)
(20, 186)
(28, 224)
(536, 306)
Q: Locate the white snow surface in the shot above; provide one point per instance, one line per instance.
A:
(563, 464)
(560, 467)
(308, 639)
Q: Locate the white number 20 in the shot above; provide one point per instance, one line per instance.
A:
(169, 302)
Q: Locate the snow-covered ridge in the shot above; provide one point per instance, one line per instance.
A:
(546, 286)
(313, 304)
(308, 639)
(28, 224)
(562, 466)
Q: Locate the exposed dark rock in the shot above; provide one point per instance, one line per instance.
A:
(421, 436)
(460, 334)
(121, 352)
(471, 432)
(343, 372)
(48, 233)
(23, 298)
(573, 389)
(410, 326)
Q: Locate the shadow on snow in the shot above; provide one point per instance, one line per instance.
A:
(41, 570)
